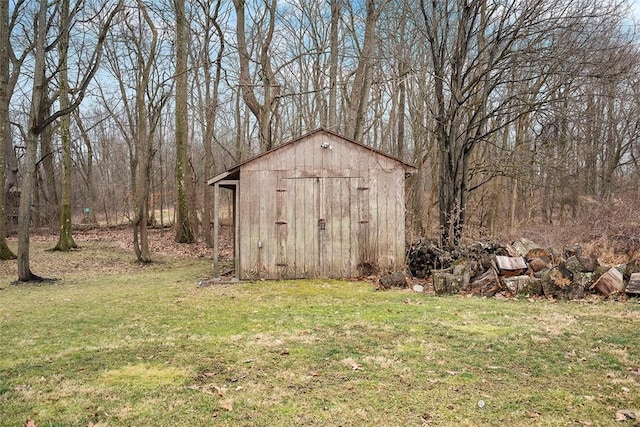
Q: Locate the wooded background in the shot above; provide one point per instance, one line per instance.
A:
(515, 112)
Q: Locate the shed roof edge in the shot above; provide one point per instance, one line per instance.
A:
(408, 167)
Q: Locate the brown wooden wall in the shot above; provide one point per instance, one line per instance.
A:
(321, 212)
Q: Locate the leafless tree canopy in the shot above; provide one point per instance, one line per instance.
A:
(515, 111)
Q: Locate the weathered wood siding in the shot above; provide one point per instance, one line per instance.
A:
(308, 211)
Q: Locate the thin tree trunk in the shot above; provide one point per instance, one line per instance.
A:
(270, 87)
(35, 120)
(363, 75)
(144, 153)
(211, 108)
(5, 130)
(184, 232)
(513, 202)
(91, 192)
(47, 211)
(145, 125)
(402, 88)
(24, 212)
(65, 241)
(336, 10)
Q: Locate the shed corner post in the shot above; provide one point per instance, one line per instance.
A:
(216, 229)
(236, 231)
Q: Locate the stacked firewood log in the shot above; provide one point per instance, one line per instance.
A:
(520, 268)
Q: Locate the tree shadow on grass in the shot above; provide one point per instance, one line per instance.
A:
(34, 279)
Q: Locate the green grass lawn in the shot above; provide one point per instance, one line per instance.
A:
(145, 346)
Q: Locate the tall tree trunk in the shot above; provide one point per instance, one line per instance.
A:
(184, 232)
(362, 81)
(336, 10)
(212, 87)
(262, 111)
(90, 204)
(145, 125)
(46, 212)
(65, 240)
(144, 154)
(402, 96)
(142, 189)
(5, 130)
(35, 121)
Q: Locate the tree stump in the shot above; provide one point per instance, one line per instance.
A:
(610, 282)
(539, 264)
(511, 266)
(524, 285)
(447, 283)
(486, 284)
(394, 280)
(523, 246)
(579, 264)
(558, 283)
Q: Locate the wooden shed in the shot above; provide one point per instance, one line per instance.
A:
(318, 206)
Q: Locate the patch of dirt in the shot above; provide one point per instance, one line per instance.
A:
(106, 250)
(161, 241)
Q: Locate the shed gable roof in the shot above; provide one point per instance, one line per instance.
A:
(232, 172)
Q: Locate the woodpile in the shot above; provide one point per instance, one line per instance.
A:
(425, 257)
(521, 268)
(634, 284)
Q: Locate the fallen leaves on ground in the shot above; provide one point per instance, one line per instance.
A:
(227, 405)
(624, 415)
(352, 364)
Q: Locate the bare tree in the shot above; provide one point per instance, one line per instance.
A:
(207, 89)
(39, 121)
(506, 100)
(473, 46)
(65, 239)
(145, 122)
(263, 111)
(184, 233)
(143, 91)
(358, 101)
(88, 165)
(35, 128)
(336, 10)
(5, 125)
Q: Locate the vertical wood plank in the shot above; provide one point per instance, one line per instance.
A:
(235, 217)
(374, 214)
(269, 250)
(399, 191)
(282, 226)
(366, 259)
(216, 230)
(341, 252)
(383, 233)
(355, 247)
(251, 258)
(324, 261)
(312, 238)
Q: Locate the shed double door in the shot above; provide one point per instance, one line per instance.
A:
(322, 228)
